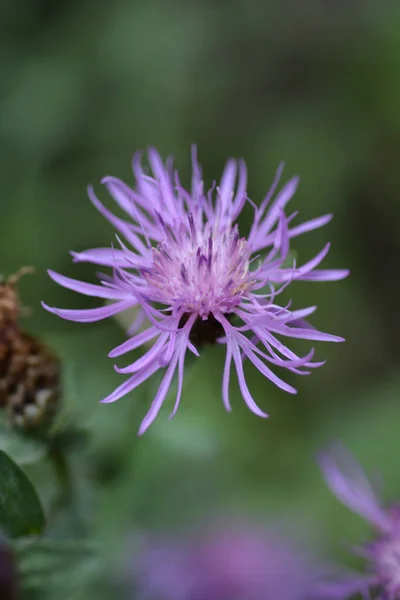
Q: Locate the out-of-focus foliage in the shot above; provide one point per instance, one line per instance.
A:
(20, 510)
(83, 85)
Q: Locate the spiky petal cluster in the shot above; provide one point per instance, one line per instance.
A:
(195, 280)
(235, 562)
(349, 483)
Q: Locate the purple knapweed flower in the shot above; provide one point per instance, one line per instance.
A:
(195, 280)
(350, 485)
(231, 563)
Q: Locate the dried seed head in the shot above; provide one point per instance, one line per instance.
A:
(29, 371)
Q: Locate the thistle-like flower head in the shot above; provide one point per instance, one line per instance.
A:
(349, 483)
(231, 562)
(196, 280)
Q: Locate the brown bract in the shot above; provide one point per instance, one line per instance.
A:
(29, 371)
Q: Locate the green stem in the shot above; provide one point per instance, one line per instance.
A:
(63, 473)
(65, 498)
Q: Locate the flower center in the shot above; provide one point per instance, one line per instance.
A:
(197, 270)
(204, 331)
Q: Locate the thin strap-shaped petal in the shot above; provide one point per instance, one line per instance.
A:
(303, 334)
(147, 186)
(350, 485)
(125, 196)
(182, 346)
(119, 224)
(283, 317)
(227, 375)
(264, 228)
(310, 225)
(268, 373)
(128, 200)
(240, 197)
(242, 382)
(138, 322)
(109, 257)
(269, 342)
(305, 227)
(294, 315)
(300, 229)
(277, 360)
(160, 396)
(181, 363)
(193, 349)
(152, 355)
(197, 182)
(130, 384)
(118, 190)
(134, 342)
(325, 275)
(271, 191)
(88, 289)
(226, 187)
(280, 275)
(90, 315)
(168, 196)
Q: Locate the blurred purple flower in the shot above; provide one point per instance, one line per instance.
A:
(8, 572)
(196, 281)
(238, 563)
(348, 482)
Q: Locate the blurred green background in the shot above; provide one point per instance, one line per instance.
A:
(83, 85)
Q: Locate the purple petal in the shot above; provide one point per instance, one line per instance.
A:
(164, 180)
(271, 190)
(303, 334)
(227, 186)
(197, 183)
(139, 320)
(268, 373)
(88, 289)
(325, 275)
(299, 229)
(90, 315)
(270, 342)
(290, 364)
(257, 240)
(160, 396)
(298, 314)
(109, 257)
(310, 225)
(226, 378)
(348, 482)
(130, 384)
(123, 195)
(280, 275)
(152, 355)
(182, 354)
(242, 383)
(134, 342)
(119, 224)
(240, 197)
(128, 201)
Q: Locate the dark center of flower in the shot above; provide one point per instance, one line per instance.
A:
(204, 331)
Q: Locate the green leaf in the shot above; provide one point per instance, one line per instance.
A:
(20, 510)
(21, 448)
(43, 563)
